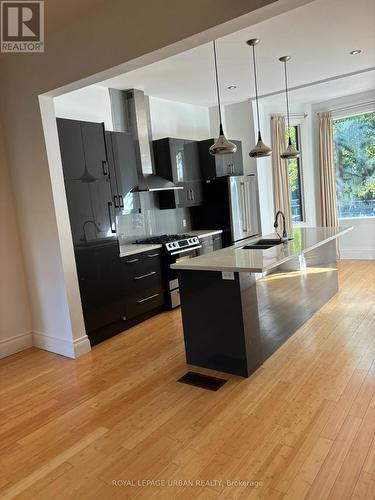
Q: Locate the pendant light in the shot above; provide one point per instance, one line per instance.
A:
(222, 146)
(291, 151)
(260, 150)
(86, 177)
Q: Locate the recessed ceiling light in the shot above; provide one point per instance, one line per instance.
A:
(355, 52)
(232, 87)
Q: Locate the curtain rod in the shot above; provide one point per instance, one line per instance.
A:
(294, 115)
(352, 106)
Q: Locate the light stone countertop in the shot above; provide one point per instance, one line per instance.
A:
(204, 233)
(131, 249)
(237, 259)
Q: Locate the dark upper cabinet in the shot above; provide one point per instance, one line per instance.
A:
(219, 165)
(178, 161)
(123, 169)
(71, 147)
(90, 204)
(82, 145)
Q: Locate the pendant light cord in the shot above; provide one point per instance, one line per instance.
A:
(287, 102)
(217, 87)
(256, 87)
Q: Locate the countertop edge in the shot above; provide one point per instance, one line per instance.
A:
(187, 267)
(135, 250)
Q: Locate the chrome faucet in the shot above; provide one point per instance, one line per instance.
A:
(84, 228)
(284, 237)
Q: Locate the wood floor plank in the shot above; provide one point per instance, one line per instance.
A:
(303, 424)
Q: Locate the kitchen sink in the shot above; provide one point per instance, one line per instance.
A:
(263, 244)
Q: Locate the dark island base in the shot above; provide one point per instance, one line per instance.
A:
(234, 325)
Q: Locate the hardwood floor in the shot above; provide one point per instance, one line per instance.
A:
(303, 425)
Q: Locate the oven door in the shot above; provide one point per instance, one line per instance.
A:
(177, 257)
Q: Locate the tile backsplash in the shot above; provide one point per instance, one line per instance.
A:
(152, 221)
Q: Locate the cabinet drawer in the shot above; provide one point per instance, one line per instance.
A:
(140, 264)
(144, 301)
(148, 278)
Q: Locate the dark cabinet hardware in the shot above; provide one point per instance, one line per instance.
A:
(121, 200)
(150, 255)
(105, 167)
(132, 261)
(148, 298)
(113, 229)
(115, 198)
(151, 273)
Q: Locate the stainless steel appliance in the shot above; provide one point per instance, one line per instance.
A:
(243, 206)
(176, 248)
(231, 204)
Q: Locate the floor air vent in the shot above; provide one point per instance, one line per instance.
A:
(203, 381)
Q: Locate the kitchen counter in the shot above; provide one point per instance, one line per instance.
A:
(237, 259)
(239, 306)
(131, 249)
(204, 233)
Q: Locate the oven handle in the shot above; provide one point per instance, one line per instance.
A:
(186, 250)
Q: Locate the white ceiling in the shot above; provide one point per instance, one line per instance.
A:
(318, 36)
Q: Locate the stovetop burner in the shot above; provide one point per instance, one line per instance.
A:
(164, 238)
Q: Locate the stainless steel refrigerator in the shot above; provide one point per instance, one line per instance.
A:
(231, 204)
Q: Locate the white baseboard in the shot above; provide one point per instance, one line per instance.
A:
(66, 348)
(363, 254)
(15, 344)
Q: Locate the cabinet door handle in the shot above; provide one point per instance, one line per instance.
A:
(121, 200)
(153, 255)
(115, 197)
(147, 298)
(105, 167)
(144, 275)
(132, 261)
(110, 204)
(192, 194)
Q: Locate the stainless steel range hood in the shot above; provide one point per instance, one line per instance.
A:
(130, 110)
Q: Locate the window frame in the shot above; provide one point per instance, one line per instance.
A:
(297, 127)
(357, 110)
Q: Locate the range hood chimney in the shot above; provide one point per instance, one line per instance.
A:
(131, 113)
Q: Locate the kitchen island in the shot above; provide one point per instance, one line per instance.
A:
(239, 305)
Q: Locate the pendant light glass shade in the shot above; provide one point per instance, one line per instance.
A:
(222, 146)
(260, 150)
(290, 152)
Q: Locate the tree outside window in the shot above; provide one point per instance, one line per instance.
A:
(354, 152)
(295, 176)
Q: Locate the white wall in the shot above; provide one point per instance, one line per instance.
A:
(90, 104)
(15, 317)
(176, 119)
(106, 37)
(359, 243)
(239, 122)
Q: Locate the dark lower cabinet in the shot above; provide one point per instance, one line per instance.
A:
(117, 292)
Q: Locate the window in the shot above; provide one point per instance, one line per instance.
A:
(295, 175)
(354, 151)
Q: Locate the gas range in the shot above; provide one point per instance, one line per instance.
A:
(173, 243)
(176, 247)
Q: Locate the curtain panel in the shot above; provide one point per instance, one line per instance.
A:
(280, 172)
(327, 171)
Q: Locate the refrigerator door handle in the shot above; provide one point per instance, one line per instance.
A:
(243, 208)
